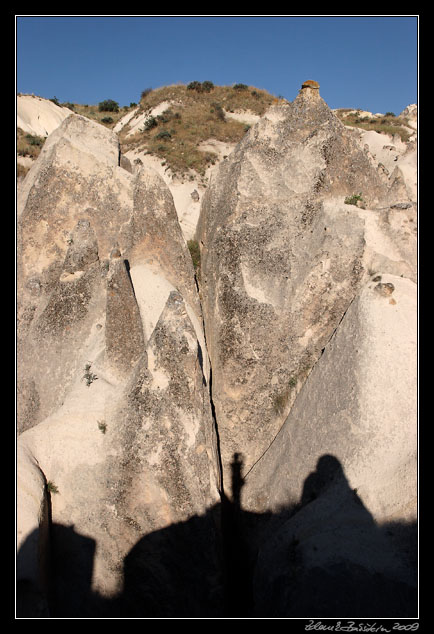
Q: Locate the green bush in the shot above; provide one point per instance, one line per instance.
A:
(164, 134)
(207, 86)
(107, 120)
(195, 85)
(150, 123)
(354, 199)
(51, 487)
(34, 140)
(89, 376)
(108, 106)
(240, 87)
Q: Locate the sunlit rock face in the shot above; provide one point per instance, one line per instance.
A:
(113, 373)
(283, 256)
(242, 443)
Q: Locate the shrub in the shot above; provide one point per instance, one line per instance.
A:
(88, 375)
(133, 104)
(195, 85)
(150, 123)
(240, 87)
(216, 107)
(164, 134)
(34, 140)
(145, 93)
(207, 86)
(354, 199)
(55, 100)
(107, 120)
(280, 401)
(108, 106)
(51, 487)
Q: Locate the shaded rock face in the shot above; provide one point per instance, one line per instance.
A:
(282, 258)
(265, 470)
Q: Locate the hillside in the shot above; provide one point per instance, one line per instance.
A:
(184, 131)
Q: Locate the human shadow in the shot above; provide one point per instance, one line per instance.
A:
(327, 557)
(323, 557)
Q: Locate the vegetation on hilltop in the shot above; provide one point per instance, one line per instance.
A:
(196, 114)
(386, 124)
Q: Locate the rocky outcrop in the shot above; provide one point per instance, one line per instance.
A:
(39, 116)
(113, 370)
(283, 256)
(356, 432)
(241, 444)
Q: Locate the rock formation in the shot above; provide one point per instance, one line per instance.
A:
(243, 444)
(113, 372)
(283, 257)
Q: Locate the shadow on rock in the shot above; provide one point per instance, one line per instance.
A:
(324, 557)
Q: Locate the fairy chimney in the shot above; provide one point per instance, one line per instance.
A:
(310, 83)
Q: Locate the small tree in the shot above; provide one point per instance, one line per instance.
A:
(108, 106)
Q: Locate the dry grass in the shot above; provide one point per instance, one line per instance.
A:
(92, 112)
(21, 170)
(387, 124)
(29, 144)
(194, 117)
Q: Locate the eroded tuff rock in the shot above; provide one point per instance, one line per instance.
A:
(309, 308)
(113, 378)
(283, 256)
(79, 205)
(343, 471)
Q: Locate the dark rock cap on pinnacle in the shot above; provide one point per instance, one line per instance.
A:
(310, 83)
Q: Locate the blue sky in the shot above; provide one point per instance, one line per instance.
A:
(367, 62)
